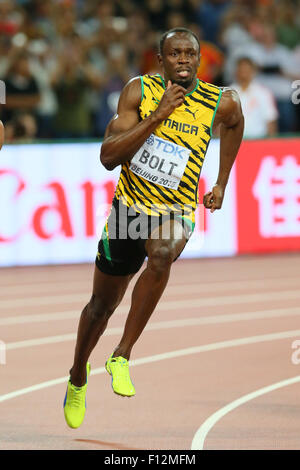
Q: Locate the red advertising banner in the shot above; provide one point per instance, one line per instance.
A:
(268, 196)
(54, 199)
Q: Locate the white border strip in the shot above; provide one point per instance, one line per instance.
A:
(200, 436)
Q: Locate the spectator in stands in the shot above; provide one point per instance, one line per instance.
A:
(157, 13)
(209, 15)
(287, 29)
(141, 42)
(234, 28)
(175, 19)
(296, 88)
(22, 92)
(119, 73)
(21, 128)
(42, 65)
(212, 59)
(10, 18)
(276, 70)
(148, 57)
(44, 19)
(258, 103)
(71, 80)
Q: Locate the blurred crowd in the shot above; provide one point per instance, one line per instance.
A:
(65, 62)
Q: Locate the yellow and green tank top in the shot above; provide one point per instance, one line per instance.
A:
(190, 126)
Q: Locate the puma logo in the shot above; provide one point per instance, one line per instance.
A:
(191, 112)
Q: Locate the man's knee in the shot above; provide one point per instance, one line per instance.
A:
(161, 258)
(101, 307)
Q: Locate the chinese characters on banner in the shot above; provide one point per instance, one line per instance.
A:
(268, 195)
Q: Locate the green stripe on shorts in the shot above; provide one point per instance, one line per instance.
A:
(190, 224)
(106, 244)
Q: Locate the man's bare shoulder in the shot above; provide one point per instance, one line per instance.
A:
(230, 99)
(133, 83)
(132, 93)
(229, 109)
(127, 113)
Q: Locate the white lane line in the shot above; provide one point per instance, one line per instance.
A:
(32, 277)
(40, 317)
(163, 356)
(199, 437)
(214, 319)
(47, 300)
(184, 288)
(167, 305)
(68, 314)
(37, 290)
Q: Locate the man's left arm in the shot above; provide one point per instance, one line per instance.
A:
(230, 119)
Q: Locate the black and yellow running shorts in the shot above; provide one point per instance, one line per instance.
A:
(121, 249)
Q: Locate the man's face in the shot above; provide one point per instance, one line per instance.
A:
(180, 58)
(245, 71)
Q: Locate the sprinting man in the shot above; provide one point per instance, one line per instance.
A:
(159, 136)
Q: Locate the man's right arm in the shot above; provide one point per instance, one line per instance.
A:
(126, 133)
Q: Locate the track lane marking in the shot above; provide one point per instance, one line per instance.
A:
(208, 320)
(171, 288)
(183, 304)
(163, 356)
(201, 433)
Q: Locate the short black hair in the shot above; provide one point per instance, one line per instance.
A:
(176, 30)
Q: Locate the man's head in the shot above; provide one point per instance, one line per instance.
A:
(179, 55)
(245, 70)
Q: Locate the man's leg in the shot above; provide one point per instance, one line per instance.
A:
(108, 292)
(151, 283)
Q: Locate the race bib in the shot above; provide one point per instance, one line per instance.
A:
(160, 161)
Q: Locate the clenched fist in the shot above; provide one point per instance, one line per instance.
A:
(213, 199)
(172, 98)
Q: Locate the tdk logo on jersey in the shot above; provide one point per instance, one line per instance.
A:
(169, 148)
(150, 140)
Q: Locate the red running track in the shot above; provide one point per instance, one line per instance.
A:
(223, 329)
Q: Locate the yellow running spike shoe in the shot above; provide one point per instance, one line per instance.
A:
(75, 402)
(121, 383)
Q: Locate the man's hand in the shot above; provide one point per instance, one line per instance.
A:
(213, 199)
(172, 98)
